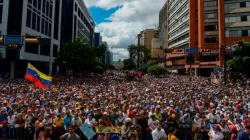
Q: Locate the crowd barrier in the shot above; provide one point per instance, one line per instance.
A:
(21, 133)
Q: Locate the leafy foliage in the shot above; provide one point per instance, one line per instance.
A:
(128, 64)
(100, 50)
(157, 70)
(77, 56)
(139, 54)
(239, 60)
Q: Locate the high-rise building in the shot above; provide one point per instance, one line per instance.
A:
(208, 25)
(76, 21)
(145, 37)
(163, 25)
(98, 39)
(24, 19)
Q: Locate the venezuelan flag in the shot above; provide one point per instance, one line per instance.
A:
(37, 78)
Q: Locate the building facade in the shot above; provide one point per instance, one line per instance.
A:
(76, 22)
(163, 25)
(108, 57)
(21, 19)
(145, 37)
(208, 25)
(98, 39)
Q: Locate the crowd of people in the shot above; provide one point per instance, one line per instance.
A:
(148, 108)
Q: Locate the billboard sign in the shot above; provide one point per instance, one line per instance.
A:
(192, 51)
(12, 40)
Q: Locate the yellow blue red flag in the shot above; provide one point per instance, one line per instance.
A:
(38, 78)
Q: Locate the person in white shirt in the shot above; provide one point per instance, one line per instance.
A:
(91, 121)
(12, 122)
(11, 119)
(152, 123)
(76, 121)
(196, 126)
(158, 133)
(215, 134)
(212, 116)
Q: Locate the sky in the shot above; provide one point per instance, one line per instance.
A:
(119, 21)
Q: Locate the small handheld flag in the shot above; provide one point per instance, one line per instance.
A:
(38, 78)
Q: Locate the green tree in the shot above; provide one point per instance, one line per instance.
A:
(239, 60)
(157, 70)
(128, 64)
(100, 50)
(139, 54)
(76, 56)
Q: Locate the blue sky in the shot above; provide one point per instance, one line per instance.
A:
(119, 21)
(100, 15)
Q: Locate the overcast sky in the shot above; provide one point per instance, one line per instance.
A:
(119, 21)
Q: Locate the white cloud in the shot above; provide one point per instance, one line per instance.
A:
(124, 25)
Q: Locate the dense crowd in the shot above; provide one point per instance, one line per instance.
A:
(170, 107)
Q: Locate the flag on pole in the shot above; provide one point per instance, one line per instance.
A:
(38, 78)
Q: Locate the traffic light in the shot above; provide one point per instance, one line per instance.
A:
(205, 50)
(31, 40)
(1, 40)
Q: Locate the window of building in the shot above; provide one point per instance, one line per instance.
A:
(44, 5)
(227, 33)
(30, 1)
(248, 32)
(34, 21)
(39, 5)
(1, 13)
(46, 27)
(45, 50)
(38, 23)
(244, 32)
(243, 18)
(243, 4)
(29, 6)
(210, 3)
(31, 48)
(55, 48)
(50, 11)
(248, 4)
(43, 26)
(211, 40)
(49, 33)
(239, 33)
(35, 3)
(211, 28)
(76, 7)
(47, 8)
(232, 5)
(233, 33)
(210, 15)
(56, 19)
(231, 19)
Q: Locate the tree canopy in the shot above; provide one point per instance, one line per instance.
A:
(78, 55)
(239, 60)
(128, 64)
(139, 54)
(157, 70)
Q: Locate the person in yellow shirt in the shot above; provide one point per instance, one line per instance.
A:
(158, 113)
(58, 124)
(171, 135)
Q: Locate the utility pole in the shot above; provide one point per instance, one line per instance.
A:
(138, 51)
